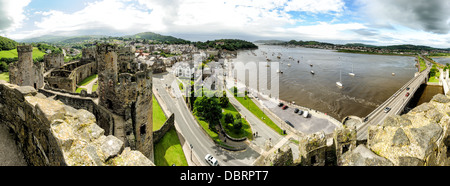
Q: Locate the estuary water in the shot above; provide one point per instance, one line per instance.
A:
(372, 84)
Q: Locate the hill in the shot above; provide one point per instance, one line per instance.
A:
(158, 38)
(7, 44)
(228, 44)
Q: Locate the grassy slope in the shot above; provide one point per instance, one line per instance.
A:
(168, 150)
(252, 107)
(13, 53)
(4, 76)
(158, 115)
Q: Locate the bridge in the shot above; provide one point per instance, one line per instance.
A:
(396, 102)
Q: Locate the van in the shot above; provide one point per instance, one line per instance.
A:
(305, 114)
(211, 160)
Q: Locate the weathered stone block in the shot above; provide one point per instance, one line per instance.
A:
(111, 147)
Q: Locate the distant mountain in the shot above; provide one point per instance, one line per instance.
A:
(269, 41)
(158, 38)
(61, 39)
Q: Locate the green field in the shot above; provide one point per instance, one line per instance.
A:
(4, 76)
(253, 108)
(13, 53)
(168, 151)
(158, 115)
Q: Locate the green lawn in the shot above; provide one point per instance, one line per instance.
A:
(13, 53)
(95, 87)
(253, 108)
(87, 80)
(4, 76)
(246, 130)
(79, 90)
(158, 115)
(168, 151)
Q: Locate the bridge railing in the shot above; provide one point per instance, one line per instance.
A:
(383, 105)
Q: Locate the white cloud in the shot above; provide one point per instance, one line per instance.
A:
(315, 6)
(12, 14)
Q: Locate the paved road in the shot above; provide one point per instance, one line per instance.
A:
(193, 133)
(396, 104)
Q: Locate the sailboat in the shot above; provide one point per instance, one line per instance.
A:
(339, 84)
(351, 73)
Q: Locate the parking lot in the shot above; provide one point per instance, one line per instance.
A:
(309, 125)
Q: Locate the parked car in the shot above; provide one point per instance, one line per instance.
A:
(407, 88)
(407, 94)
(305, 114)
(289, 123)
(280, 104)
(387, 109)
(300, 112)
(211, 160)
(296, 110)
(285, 107)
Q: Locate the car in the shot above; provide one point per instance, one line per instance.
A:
(407, 94)
(407, 88)
(305, 114)
(300, 112)
(280, 104)
(211, 160)
(289, 123)
(285, 107)
(296, 110)
(387, 109)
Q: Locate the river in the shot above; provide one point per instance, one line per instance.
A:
(360, 95)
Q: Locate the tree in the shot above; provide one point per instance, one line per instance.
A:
(208, 108)
(229, 118)
(237, 124)
(224, 100)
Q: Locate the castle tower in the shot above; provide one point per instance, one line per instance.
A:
(24, 72)
(128, 94)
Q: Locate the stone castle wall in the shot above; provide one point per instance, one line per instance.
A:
(51, 133)
(24, 72)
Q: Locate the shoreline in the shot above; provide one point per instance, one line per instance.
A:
(274, 101)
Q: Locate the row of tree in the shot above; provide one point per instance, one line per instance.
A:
(227, 44)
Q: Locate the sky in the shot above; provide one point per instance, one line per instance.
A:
(376, 22)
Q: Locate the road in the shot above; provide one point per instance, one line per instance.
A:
(396, 104)
(193, 133)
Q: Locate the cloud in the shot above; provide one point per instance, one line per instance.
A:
(427, 15)
(12, 14)
(315, 6)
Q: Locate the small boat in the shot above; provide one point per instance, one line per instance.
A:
(312, 72)
(339, 84)
(351, 73)
(393, 74)
(311, 65)
(279, 71)
(289, 65)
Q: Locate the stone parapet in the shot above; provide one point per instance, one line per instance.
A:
(50, 133)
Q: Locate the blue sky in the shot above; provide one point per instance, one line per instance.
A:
(381, 22)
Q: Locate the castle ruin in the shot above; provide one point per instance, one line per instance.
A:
(25, 72)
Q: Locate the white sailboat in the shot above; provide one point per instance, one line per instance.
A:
(339, 84)
(351, 73)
